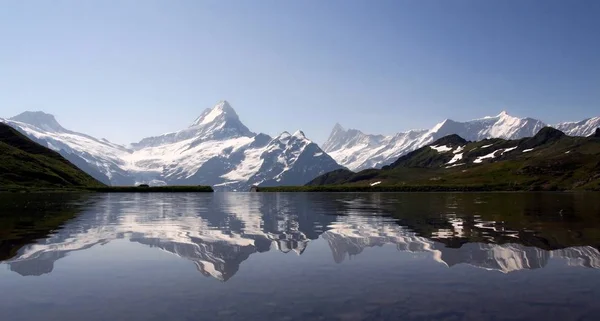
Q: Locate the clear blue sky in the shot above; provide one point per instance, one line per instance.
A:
(124, 70)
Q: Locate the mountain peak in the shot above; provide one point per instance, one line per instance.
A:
(452, 140)
(502, 114)
(544, 136)
(40, 120)
(220, 112)
(338, 128)
(549, 132)
(299, 134)
(283, 137)
(224, 105)
(446, 122)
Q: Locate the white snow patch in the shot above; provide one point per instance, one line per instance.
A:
(567, 152)
(441, 149)
(481, 158)
(376, 183)
(455, 159)
(455, 165)
(527, 150)
(458, 149)
(486, 146)
(318, 154)
(506, 150)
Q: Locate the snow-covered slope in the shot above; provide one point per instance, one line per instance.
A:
(105, 160)
(585, 127)
(217, 149)
(357, 151)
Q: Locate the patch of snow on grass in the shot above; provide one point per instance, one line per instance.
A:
(441, 149)
(508, 150)
(527, 150)
(458, 149)
(455, 165)
(486, 146)
(567, 152)
(376, 183)
(455, 159)
(481, 158)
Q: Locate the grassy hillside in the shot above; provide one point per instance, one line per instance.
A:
(26, 164)
(548, 161)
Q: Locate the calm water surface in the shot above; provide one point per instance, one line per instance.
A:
(255, 256)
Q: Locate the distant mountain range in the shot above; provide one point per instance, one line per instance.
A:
(550, 160)
(357, 151)
(217, 149)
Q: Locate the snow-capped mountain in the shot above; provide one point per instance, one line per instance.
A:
(357, 150)
(217, 123)
(217, 149)
(100, 158)
(585, 127)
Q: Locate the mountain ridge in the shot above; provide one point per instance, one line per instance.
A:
(349, 147)
(216, 149)
(549, 160)
(24, 163)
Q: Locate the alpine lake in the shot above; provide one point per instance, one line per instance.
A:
(300, 256)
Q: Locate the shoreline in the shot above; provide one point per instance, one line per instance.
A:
(298, 189)
(416, 188)
(110, 189)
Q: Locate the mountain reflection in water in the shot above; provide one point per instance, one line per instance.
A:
(499, 232)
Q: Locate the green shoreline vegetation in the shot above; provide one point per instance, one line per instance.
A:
(108, 189)
(417, 188)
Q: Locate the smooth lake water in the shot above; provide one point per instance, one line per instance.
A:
(261, 256)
